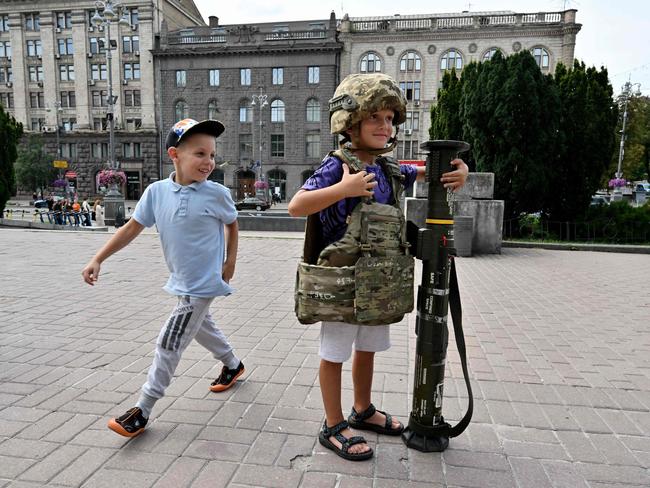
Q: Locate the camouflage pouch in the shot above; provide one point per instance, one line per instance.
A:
(324, 293)
(384, 288)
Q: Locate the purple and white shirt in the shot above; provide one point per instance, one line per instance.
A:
(330, 172)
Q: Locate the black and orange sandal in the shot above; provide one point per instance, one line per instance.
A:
(343, 451)
(130, 424)
(227, 378)
(357, 420)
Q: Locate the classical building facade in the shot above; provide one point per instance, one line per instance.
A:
(54, 73)
(268, 83)
(416, 50)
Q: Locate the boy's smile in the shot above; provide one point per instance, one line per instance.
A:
(194, 158)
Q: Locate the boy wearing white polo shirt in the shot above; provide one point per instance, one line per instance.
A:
(197, 223)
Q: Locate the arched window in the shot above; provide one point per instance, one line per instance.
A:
(278, 182)
(370, 63)
(451, 59)
(305, 175)
(212, 109)
(277, 111)
(491, 52)
(313, 110)
(245, 111)
(217, 175)
(410, 61)
(181, 110)
(541, 57)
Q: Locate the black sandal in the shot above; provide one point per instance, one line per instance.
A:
(327, 432)
(358, 421)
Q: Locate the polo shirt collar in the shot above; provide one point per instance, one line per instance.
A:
(176, 187)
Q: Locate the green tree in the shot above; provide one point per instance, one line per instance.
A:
(510, 114)
(10, 133)
(33, 166)
(636, 161)
(445, 114)
(585, 139)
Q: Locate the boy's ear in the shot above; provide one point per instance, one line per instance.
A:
(172, 152)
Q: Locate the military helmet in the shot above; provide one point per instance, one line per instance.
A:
(360, 95)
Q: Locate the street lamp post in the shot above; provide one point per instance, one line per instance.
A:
(111, 12)
(57, 112)
(626, 94)
(260, 101)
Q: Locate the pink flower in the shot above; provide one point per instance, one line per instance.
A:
(109, 177)
(617, 182)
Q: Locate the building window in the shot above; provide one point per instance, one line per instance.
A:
(181, 110)
(7, 100)
(212, 109)
(36, 100)
(4, 23)
(541, 57)
(277, 111)
(32, 22)
(313, 74)
(68, 99)
(68, 150)
(245, 146)
(411, 90)
(277, 145)
(245, 76)
(370, 63)
(35, 73)
(99, 150)
(313, 110)
(278, 76)
(181, 77)
(64, 20)
(130, 44)
(132, 71)
(98, 72)
(66, 72)
(278, 182)
(131, 150)
(34, 48)
(100, 98)
(450, 60)
(133, 124)
(5, 49)
(410, 61)
(412, 121)
(69, 124)
(38, 124)
(213, 76)
(132, 15)
(132, 98)
(408, 149)
(97, 45)
(245, 111)
(312, 142)
(490, 52)
(65, 46)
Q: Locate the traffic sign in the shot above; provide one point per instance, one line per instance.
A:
(60, 163)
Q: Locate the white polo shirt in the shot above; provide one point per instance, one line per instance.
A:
(190, 220)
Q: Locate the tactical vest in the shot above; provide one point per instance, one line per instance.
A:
(366, 277)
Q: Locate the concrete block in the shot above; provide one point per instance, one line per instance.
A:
(488, 223)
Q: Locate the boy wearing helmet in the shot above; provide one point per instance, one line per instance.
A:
(366, 110)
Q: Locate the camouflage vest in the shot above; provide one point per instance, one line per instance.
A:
(366, 277)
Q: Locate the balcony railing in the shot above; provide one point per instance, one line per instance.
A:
(176, 39)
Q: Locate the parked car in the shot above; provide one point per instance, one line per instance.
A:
(599, 200)
(252, 203)
(645, 187)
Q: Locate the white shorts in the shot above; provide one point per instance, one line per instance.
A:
(336, 339)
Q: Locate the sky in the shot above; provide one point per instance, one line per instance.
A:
(614, 34)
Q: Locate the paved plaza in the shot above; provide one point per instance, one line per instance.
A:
(558, 344)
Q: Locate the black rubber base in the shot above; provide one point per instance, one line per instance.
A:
(424, 443)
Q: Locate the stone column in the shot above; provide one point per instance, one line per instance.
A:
(82, 90)
(19, 70)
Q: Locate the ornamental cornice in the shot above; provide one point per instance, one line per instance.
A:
(238, 50)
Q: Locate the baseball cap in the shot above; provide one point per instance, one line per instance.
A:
(185, 127)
